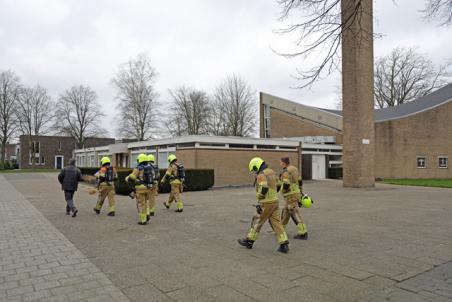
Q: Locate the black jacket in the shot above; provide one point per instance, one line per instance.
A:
(69, 178)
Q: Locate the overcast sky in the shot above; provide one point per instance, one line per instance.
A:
(60, 43)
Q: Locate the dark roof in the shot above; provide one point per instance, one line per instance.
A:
(432, 100)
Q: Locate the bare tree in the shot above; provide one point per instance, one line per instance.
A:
(319, 34)
(236, 100)
(138, 104)
(190, 112)
(405, 75)
(9, 94)
(440, 10)
(217, 118)
(79, 115)
(34, 113)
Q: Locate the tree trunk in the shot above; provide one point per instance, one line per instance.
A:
(3, 152)
(357, 94)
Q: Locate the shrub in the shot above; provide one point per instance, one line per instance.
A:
(88, 171)
(195, 180)
(335, 173)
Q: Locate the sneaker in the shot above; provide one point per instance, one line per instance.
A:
(96, 210)
(302, 237)
(74, 213)
(179, 210)
(112, 213)
(246, 243)
(284, 248)
(166, 205)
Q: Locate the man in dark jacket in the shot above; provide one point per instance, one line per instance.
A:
(69, 178)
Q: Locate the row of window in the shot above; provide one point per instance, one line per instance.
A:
(35, 154)
(443, 162)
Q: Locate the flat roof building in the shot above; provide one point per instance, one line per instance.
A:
(227, 156)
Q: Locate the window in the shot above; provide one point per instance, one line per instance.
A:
(267, 121)
(443, 162)
(421, 162)
(163, 160)
(241, 146)
(266, 147)
(59, 145)
(35, 153)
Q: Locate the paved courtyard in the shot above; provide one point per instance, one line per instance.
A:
(386, 244)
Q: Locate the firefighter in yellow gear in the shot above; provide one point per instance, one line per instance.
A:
(137, 179)
(106, 177)
(290, 187)
(268, 206)
(174, 176)
(153, 190)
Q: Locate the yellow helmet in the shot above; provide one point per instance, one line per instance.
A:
(306, 201)
(151, 158)
(141, 158)
(105, 160)
(255, 164)
(171, 158)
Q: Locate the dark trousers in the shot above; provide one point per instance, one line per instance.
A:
(69, 197)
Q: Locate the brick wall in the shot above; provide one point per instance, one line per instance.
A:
(10, 151)
(286, 125)
(50, 148)
(399, 142)
(231, 166)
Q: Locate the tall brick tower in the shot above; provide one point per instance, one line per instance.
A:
(357, 94)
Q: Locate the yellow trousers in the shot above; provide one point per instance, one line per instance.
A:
(270, 212)
(104, 192)
(140, 197)
(292, 210)
(175, 195)
(150, 198)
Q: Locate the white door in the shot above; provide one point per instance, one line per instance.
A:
(59, 162)
(318, 167)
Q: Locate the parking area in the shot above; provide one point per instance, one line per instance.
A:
(391, 243)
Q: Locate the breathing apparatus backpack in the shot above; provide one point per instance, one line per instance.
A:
(156, 172)
(109, 175)
(180, 171)
(148, 175)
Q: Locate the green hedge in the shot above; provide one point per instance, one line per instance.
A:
(195, 180)
(335, 173)
(8, 166)
(89, 171)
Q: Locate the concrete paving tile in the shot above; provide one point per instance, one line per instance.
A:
(144, 292)
(356, 250)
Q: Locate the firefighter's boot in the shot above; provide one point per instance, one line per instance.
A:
(246, 243)
(284, 248)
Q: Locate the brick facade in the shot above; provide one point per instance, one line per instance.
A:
(51, 147)
(286, 125)
(399, 143)
(10, 152)
(231, 166)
